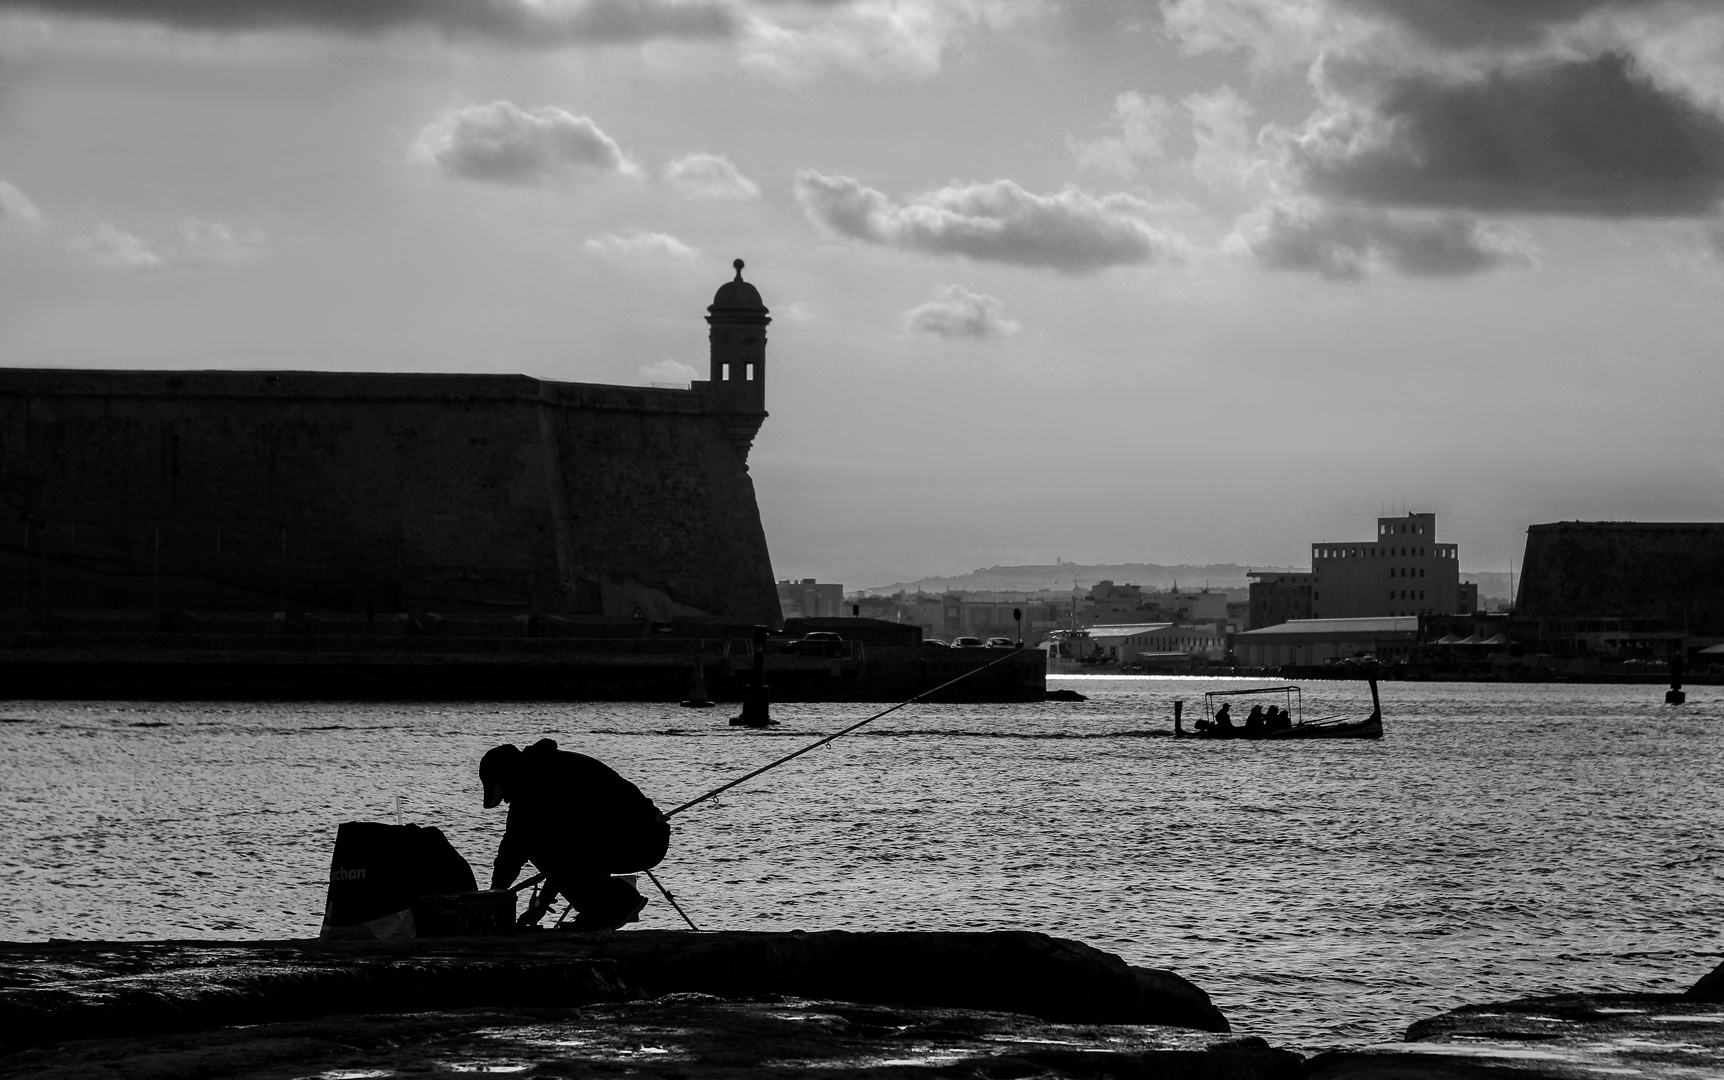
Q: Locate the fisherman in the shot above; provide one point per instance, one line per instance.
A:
(578, 822)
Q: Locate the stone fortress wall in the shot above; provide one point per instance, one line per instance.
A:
(1668, 575)
(314, 492)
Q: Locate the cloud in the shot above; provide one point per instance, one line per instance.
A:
(674, 372)
(869, 37)
(1142, 123)
(112, 248)
(212, 241)
(517, 22)
(1463, 23)
(1274, 33)
(197, 243)
(956, 312)
(1589, 137)
(1350, 243)
(17, 211)
(1226, 155)
(999, 221)
(637, 245)
(709, 178)
(504, 143)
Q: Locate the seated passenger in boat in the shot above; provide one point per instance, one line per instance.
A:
(1254, 720)
(1224, 720)
(1277, 720)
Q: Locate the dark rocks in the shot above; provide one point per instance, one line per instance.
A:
(691, 1036)
(96, 990)
(1013, 971)
(1710, 987)
(105, 990)
(1567, 1037)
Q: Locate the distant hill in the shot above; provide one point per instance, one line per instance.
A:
(1060, 577)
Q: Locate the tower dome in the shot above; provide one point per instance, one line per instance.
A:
(737, 296)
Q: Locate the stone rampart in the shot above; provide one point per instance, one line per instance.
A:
(345, 492)
(1665, 575)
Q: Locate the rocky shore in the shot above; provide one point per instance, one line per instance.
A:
(670, 1003)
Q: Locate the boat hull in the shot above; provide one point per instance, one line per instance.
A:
(1371, 728)
(1357, 729)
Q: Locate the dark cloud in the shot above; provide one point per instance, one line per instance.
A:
(1591, 137)
(1347, 244)
(995, 222)
(518, 21)
(1483, 22)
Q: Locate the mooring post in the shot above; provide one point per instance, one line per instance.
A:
(754, 698)
(1178, 713)
(1675, 696)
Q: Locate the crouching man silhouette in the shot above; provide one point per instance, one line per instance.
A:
(578, 822)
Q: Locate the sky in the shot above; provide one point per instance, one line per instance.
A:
(1186, 281)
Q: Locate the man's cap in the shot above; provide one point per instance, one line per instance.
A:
(494, 768)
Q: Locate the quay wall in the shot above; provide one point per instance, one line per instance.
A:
(352, 492)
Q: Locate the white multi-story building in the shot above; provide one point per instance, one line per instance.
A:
(1404, 571)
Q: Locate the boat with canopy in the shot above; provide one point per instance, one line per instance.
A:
(1293, 707)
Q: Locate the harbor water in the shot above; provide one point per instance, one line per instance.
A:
(1502, 840)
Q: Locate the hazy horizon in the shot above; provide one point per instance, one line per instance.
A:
(1179, 282)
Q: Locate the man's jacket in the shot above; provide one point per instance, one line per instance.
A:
(570, 809)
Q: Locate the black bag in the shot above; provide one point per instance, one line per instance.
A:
(379, 870)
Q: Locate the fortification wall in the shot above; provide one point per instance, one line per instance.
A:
(1667, 572)
(237, 490)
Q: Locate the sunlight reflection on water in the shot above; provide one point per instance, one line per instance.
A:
(1502, 840)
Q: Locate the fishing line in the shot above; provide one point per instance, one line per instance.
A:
(817, 744)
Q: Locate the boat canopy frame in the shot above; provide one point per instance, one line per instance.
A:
(1292, 695)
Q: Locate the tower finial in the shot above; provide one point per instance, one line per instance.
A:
(738, 265)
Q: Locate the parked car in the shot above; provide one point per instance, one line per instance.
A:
(966, 642)
(1001, 643)
(935, 643)
(819, 643)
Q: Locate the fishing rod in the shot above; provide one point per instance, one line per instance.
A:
(818, 743)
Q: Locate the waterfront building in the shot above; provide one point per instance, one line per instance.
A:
(809, 599)
(1277, 597)
(1403, 571)
(1125, 643)
(1317, 641)
(1185, 605)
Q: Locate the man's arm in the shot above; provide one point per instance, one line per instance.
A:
(511, 856)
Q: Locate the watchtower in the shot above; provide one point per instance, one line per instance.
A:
(737, 380)
(738, 335)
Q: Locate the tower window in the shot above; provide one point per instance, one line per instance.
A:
(748, 372)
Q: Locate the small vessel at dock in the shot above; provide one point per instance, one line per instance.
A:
(1325, 727)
